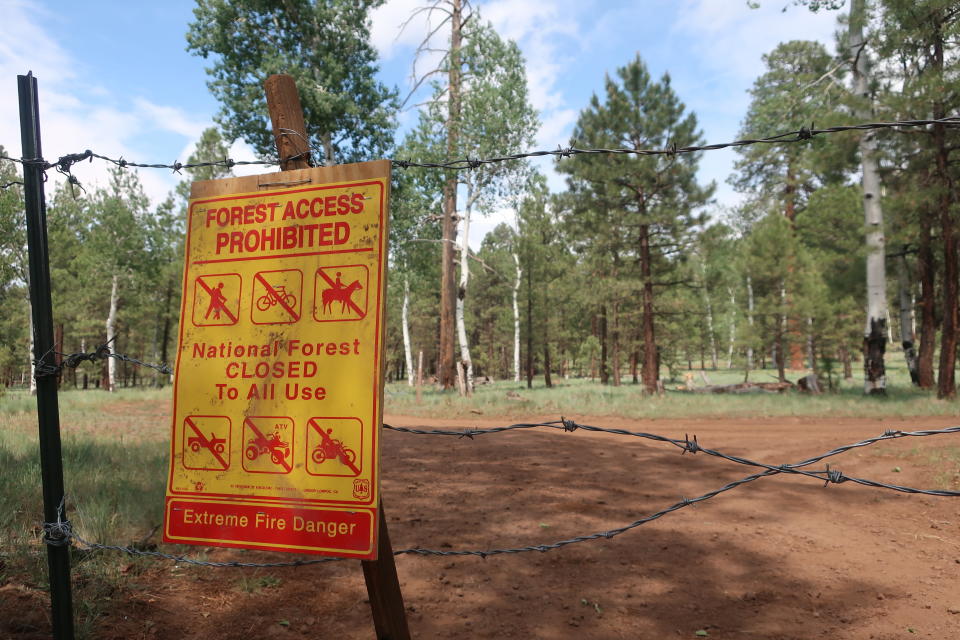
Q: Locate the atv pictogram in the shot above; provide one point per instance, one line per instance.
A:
(259, 445)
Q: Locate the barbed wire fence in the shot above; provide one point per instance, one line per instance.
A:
(64, 164)
(61, 532)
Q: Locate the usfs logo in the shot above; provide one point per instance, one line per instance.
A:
(361, 489)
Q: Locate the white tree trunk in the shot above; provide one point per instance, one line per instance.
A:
(733, 327)
(466, 363)
(750, 322)
(516, 319)
(709, 306)
(31, 355)
(406, 330)
(112, 334)
(875, 330)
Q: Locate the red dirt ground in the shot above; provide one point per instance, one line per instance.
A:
(781, 558)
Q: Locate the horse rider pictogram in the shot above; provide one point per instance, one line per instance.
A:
(340, 290)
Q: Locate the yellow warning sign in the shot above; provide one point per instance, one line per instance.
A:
(277, 392)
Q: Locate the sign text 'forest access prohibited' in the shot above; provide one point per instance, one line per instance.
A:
(277, 394)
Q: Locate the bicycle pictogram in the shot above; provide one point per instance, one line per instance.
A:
(276, 296)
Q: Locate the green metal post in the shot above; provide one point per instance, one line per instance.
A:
(48, 415)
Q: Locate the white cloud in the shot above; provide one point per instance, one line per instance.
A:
(76, 113)
(386, 23)
(730, 41)
(165, 118)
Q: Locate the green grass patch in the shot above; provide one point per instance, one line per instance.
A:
(114, 484)
(572, 397)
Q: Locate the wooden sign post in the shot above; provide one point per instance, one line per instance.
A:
(383, 585)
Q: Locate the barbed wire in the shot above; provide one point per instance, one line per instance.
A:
(689, 445)
(65, 163)
(44, 369)
(797, 135)
(61, 532)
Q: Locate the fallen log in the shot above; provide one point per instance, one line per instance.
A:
(743, 387)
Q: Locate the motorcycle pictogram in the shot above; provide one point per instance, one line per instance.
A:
(276, 295)
(332, 449)
(274, 446)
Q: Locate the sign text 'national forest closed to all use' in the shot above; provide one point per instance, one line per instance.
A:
(278, 384)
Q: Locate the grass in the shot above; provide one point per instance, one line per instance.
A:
(115, 476)
(572, 397)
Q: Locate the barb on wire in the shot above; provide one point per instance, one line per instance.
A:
(61, 532)
(42, 368)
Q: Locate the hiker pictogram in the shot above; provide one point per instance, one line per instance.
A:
(340, 293)
(206, 442)
(216, 299)
(332, 445)
(268, 444)
(276, 296)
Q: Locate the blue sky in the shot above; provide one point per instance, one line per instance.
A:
(114, 77)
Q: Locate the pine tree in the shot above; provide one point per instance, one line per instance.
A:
(653, 199)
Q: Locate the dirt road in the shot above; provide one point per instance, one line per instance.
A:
(781, 558)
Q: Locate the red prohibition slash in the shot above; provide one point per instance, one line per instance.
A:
(212, 444)
(331, 448)
(276, 296)
(261, 445)
(218, 302)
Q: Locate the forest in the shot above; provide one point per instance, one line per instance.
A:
(842, 254)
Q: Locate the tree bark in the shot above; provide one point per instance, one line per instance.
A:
(405, 324)
(516, 319)
(615, 345)
(112, 333)
(547, 380)
(928, 319)
(650, 373)
(708, 304)
(946, 380)
(604, 369)
(781, 331)
(907, 337)
(790, 321)
(529, 328)
(31, 356)
(875, 330)
(448, 289)
(750, 322)
(733, 327)
(466, 362)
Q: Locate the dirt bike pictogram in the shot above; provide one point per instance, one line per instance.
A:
(258, 445)
(276, 295)
(332, 449)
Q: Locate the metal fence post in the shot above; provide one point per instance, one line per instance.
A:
(48, 415)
